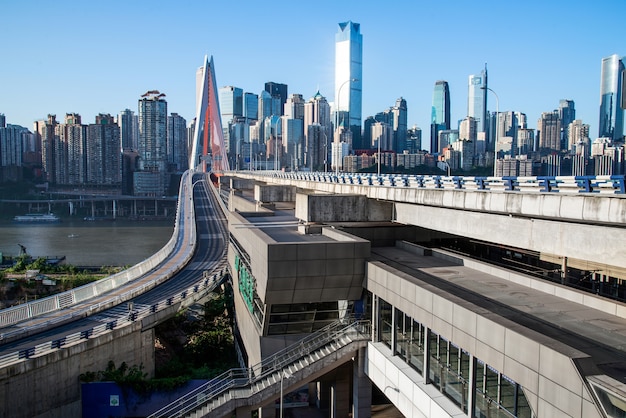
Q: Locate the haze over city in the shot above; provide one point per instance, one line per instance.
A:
(88, 58)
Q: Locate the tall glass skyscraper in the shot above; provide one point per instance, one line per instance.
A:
(348, 76)
(611, 112)
(440, 116)
(477, 99)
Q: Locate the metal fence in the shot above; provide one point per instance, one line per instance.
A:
(609, 184)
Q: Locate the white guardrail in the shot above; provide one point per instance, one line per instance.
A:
(207, 284)
(613, 184)
(19, 313)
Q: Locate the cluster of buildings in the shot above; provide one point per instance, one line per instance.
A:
(133, 153)
(138, 153)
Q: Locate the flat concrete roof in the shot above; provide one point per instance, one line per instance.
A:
(600, 335)
(283, 228)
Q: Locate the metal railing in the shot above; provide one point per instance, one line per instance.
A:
(609, 184)
(247, 377)
(208, 283)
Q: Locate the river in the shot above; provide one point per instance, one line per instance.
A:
(106, 243)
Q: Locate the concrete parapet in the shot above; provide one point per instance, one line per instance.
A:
(341, 208)
(35, 382)
(273, 193)
(241, 184)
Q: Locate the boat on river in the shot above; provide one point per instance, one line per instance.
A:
(37, 218)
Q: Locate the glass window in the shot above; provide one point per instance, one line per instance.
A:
(436, 369)
(416, 347)
(402, 337)
(385, 313)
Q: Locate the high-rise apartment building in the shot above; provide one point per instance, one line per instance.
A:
(129, 129)
(151, 178)
(578, 134)
(72, 156)
(11, 140)
(177, 153)
(549, 131)
(477, 99)
(103, 152)
(611, 122)
(348, 79)
(440, 114)
(567, 113)
(46, 130)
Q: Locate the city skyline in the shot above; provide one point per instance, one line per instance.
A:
(111, 64)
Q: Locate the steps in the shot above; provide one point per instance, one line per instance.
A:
(253, 386)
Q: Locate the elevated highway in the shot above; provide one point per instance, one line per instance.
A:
(578, 221)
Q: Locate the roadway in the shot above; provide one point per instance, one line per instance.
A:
(209, 255)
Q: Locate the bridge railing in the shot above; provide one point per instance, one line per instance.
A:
(16, 314)
(609, 184)
(208, 282)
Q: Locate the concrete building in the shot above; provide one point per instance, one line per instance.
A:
(452, 336)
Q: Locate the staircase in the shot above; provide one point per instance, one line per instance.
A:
(251, 387)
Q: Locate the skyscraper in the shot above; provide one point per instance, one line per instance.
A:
(348, 76)
(177, 142)
(72, 153)
(127, 121)
(150, 180)
(611, 120)
(549, 129)
(251, 106)
(317, 131)
(440, 115)
(400, 127)
(278, 91)
(477, 99)
(567, 113)
(231, 106)
(103, 152)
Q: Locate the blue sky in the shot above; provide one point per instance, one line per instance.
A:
(99, 57)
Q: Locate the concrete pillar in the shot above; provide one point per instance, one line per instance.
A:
(426, 355)
(471, 387)
(361, 387)
(342, 392)
(324, 397)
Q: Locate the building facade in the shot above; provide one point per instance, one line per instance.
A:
(150, 179)
(440, 114)
(611, 120)
(348, 79)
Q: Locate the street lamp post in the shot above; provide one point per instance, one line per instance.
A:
(378, 156)
(339, 110)
(325, 150)
(495, 145)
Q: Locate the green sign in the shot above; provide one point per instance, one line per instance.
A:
(246, 283)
